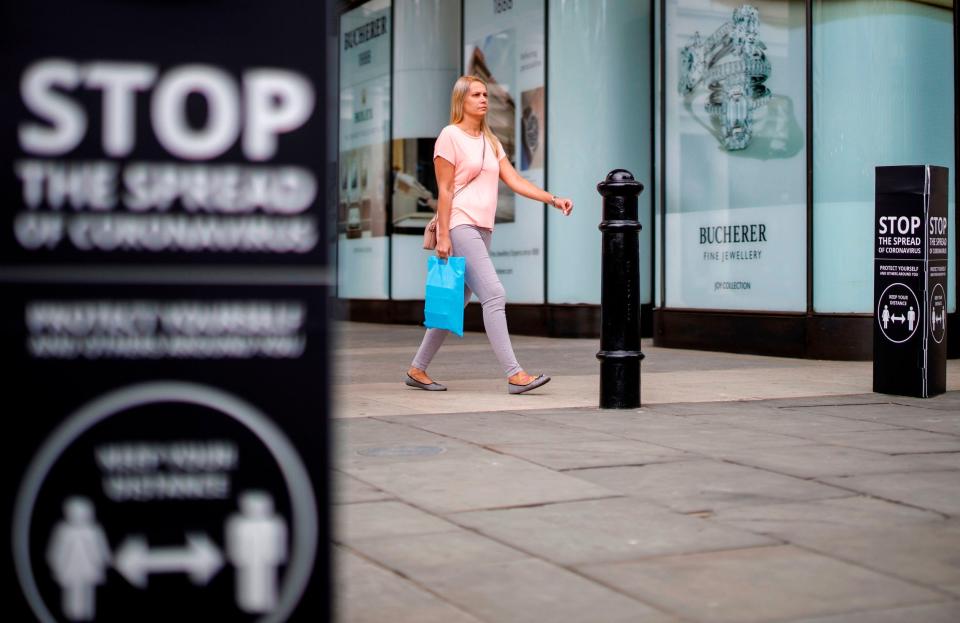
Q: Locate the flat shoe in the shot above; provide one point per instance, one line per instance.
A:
(513, 388)
(430, 387)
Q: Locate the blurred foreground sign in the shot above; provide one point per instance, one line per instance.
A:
(163, 263)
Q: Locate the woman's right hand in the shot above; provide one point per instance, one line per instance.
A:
(444, 248)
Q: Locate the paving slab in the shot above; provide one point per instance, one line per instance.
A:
(945, 402)
(824, 519)
(947, 612)
(927, 553)
(673, 431)
(757, 383)
(534, 591)
(758, 585)
(620, 422)
(374, 399)
(371, 360)
(376, 442)
(915, 417)
(370, 431)
(704, 485)
(348, 403)
(474, 480)
(793, 423)
(943, 422)
(777, 406)
(597, 453)
(819, 460)
(347, 489)
(712, 409)
(366, 593)
(384, 348)
(946, 460)
(384, 519)
(937, 491)
(897, 441)
(425, 558)
(500, 427)
(893, 413)
(604, 531)
(717, 439)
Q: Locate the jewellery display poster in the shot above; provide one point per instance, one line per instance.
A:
(363, 244)
(163, 332)
(504, 45)
(911, 250)
(735, 155)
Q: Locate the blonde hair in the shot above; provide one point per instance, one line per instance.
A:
(460, 89)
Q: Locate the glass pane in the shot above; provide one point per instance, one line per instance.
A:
(735, 161)
(882, 95)
(426, 63)
(362, 242)
(600, 112)
(504, 45)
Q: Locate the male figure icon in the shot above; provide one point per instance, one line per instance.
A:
(78, 555)
(256, 540)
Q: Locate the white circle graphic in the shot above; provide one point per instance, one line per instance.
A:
(879, 316)
(942, 316)
(296, 477)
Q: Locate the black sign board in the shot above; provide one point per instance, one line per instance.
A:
(166, 432)
(162, 258)
(910, 281)
(163, 132)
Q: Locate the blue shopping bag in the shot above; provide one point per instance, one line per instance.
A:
(443, 306)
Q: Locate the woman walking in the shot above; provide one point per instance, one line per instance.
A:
(468, 161)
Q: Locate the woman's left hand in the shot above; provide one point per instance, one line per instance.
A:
(564, 204)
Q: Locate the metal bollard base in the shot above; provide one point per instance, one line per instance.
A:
(620, 379)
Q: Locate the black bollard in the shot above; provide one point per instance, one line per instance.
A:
(620, 354)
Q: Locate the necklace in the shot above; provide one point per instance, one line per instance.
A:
(471, 131)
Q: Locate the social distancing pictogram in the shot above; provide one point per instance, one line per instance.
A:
(176, 497)
(938, 313)
(79, 556)
(898, 312)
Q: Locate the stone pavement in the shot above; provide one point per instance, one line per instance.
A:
(746, 489)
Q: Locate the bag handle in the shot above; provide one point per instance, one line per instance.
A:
(430, 231)
(483, 158)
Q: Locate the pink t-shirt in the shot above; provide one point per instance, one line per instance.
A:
(476, 204)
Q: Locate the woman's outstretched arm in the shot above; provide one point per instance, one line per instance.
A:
(445, 172)
(525, 187)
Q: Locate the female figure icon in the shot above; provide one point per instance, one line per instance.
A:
(78, 555)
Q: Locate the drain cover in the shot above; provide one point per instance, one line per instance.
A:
(402, 451)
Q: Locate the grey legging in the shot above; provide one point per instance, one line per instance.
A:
(473, 243)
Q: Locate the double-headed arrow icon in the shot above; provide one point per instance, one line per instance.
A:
(200, 559)
(899, 319)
